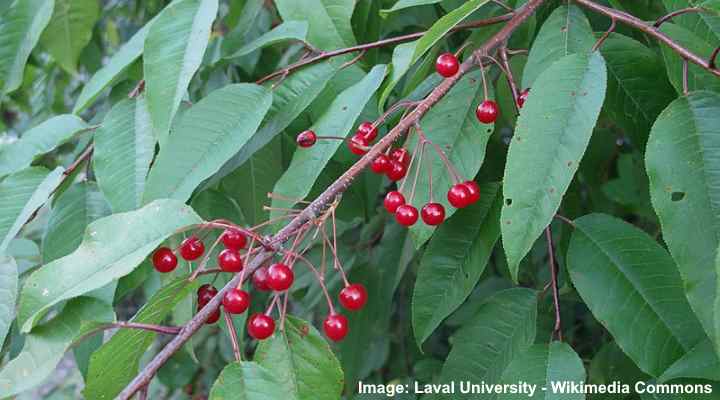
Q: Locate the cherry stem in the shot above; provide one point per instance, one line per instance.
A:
(713, 56)
(283, 312)
(430, 179)
(355, 59)
(276, 196)
(676, 13)
(320, 278)
(601, 40)
(565, 220)
(245, 263)
(233, 336)
(412, 163)
(167, 330)
(484, 81)
(143, 393)
(421, 143)
(505, 59)
(557, 329)
(274, 300)
(685, 74)
(337, 265)
(454, 175)
(206, 257)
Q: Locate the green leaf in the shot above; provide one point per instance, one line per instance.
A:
(20, 29)
(70, 30)
(290, 30)
(246, 380)
(454, 260)
(39, 140)
(402, 4)
(443, 25)
(503, 328)
(78, 206)
(637, 92)
(20, 195)
(698, 78)
(45, 345)
(302, 362)
(8, 294)
(338, 120)
(174, 49)
(329, 26)
(567, 31)
(114, 365)
(453, 126)
(101, 257)
(700, 362)
(292, 97)
(208, 135)
(684, 175)
(124, 149)
(402, 60)
(114, 68)
(632, 286)
(705, 24)
(551, 135)
(544, 365)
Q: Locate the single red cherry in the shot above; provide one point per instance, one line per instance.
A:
(306, 138)
(433, 213)
(260, 326)
(393, 200)
(192, 248)
(401, 155)
(230, 260)
(474, 189)
(353, 297)
(447, 65)
(367, 130)
(234, 239)
(260, 278)
(522, 97)
(214, 317)
(406, 215)
(236, 301)
(358, 144)
(280, 277)
(487, 112)
(164, 260)
(381, 164)
(336, 327)
(459, 195)
(396, 171)
(205, 293)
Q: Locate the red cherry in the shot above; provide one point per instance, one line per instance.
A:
(260, 326)
(280, 277)
(433, 213)
(260, 278)
(406, 215)
(367, 130)
(381, 164)
(205, 293)
(230, 260)
(164, 260)
(234, 239)
(358, 144)
(214, 317)
(401, 155)
(474, 189)
(447, 65)
(192, 248)
(336, 327)
(353, 297)
(393, 200)
(396, 171)
(522, 97)
(306, 138)
(487, 112)
(236, 301)
(459, 195)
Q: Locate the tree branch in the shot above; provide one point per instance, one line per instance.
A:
(650, 30)
(315, 208)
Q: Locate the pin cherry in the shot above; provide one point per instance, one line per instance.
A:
(487, 112)
(306, 139)
(358, 144)
(236, 301)
(260, 326)
(367, 130)
(230, 260)
(401, 155)
(205, 293)
(192, 248)
(474, 189)
(406, 215)
(393, 200)
(234, 239)
(336, 327)
(396, 171)
(433, 213)
(164, 260)
(459, 195)
(260, 279)
(381, 164)
(353, 297)
(447, 65)
(280, 277)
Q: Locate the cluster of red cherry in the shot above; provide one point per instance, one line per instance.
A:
(277, 277)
